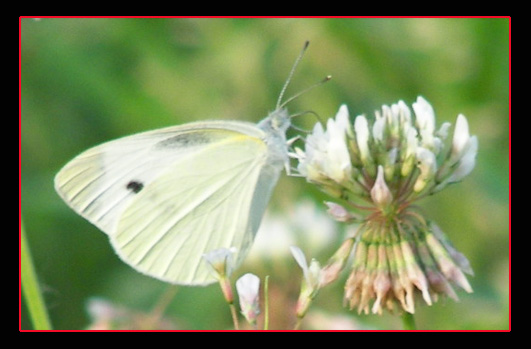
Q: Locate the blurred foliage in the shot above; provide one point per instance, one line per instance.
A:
(86, 81)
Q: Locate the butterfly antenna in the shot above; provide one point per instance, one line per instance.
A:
(317, 116)
(279, 101)
(327, 78)
(300, 129)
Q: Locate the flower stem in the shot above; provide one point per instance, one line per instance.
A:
(163, 302)
(408, 322)
(266, 303)
(234, 314)
(298, 324)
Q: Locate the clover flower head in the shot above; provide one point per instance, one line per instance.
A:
(382, 165)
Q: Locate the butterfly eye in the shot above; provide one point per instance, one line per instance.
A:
(135, 186)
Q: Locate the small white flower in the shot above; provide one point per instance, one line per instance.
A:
(338, 166)
(380, 193)
(326, 154)
(467, 162)
(392, 119)
(461, 136)
(389, 167)
(361, 127)
(248, 287)
(412, 141)
(410, 151)
(311, 283)
(339, 213)
(424, 114)
(462, 157)
(310, 161)
(404, 114)
(221, 261)
(312, 273)
(427, 165)
(464, 150)
(442, 133)
(378, 129)
(425, 117)
(342, 118)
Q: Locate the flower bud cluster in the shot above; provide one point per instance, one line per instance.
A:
(382, 167)
(393, 159)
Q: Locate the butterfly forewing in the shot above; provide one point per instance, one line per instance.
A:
(98, 183)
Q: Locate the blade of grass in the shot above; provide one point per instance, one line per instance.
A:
(30, 286)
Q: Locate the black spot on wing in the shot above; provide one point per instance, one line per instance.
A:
(135, 186)
(184, 140)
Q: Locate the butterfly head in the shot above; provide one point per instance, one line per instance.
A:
(279, 120)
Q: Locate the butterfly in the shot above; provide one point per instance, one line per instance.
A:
(168, 196)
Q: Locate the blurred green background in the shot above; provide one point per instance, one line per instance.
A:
(86, 81)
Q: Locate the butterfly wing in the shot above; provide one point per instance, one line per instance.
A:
(166, 197)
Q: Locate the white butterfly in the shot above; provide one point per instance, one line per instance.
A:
(168, 196)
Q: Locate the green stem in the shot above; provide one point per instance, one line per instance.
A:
(408, 321)
(266, 303)
(30, 286)
(297, 324)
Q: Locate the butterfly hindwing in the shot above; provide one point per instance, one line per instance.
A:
(198, 205)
